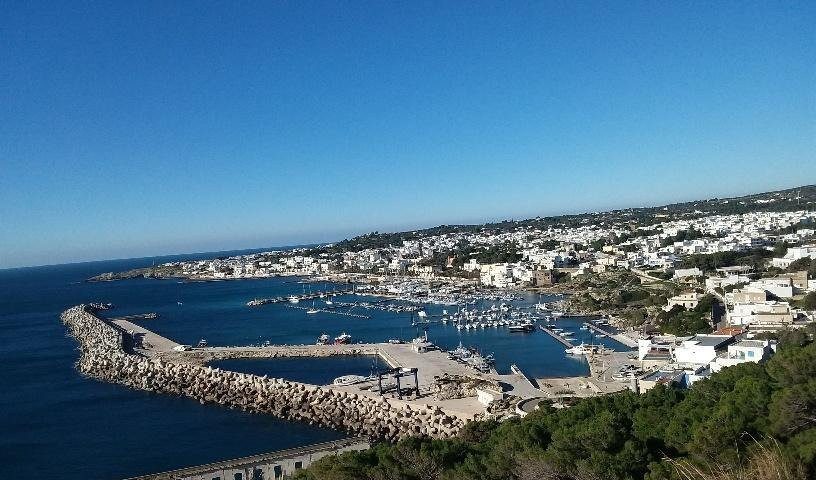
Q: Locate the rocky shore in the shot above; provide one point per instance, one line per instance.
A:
(103, 356)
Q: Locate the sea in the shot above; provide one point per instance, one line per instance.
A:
(59, 424)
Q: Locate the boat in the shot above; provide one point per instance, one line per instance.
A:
(329, 301)
(581, 349)
(342, 339)
(600, 335)
(395, 341)
(294, 299)
(201, 343)
(323, 339)
(524, 327)
(312, 310)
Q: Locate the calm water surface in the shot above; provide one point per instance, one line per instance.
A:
(62, 425)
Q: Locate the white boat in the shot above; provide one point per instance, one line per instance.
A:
(342, 339)
(312, 310)
(581, 349)
(329, 301)
(323, 339)
(294, 299)
(202, 343)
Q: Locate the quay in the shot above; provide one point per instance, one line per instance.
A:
(622, 339)
(279, 464)
(556, 336)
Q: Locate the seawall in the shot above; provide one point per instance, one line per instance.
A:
(104, 355)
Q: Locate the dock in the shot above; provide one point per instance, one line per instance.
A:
(556, 336)
(622, 339)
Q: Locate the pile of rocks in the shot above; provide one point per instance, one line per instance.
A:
(102, 356)
(449, 387)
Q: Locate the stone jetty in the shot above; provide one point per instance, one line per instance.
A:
(105, 354)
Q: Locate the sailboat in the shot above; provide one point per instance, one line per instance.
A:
(329, 300)
(313, 309)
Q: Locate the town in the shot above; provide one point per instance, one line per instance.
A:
(694, 290)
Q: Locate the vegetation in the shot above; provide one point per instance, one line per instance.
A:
(756, 258)
(750, 419)
(679, 321)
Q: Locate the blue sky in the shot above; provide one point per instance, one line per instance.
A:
(139, 128)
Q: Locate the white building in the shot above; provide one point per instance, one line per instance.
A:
(701, 349)
(741, 352)
(687, 272)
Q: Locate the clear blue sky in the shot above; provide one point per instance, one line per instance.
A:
(139, 128)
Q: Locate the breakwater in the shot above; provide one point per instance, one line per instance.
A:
(105, 354)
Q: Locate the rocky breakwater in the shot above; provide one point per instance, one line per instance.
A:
(103, 356)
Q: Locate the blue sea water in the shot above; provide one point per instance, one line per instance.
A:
(58, 424)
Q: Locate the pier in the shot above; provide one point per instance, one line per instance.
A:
(137, 317)
(556, 336)
(332, 311)
(622, 339)
(305, 296)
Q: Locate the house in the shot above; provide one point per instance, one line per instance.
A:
(497, 275)
(781, 287)
(743, 351)
(687, 272)
(701, 349)
(760, 315)
(793, 254)
(688, 300)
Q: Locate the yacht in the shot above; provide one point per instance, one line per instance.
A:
(581, 349)
(323, 339)
(294, 299)
(524, 327)
(202, 343)
(342, 339)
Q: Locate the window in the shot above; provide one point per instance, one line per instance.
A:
(216, 478)
(278, 471)
(257, 474)
(750, 354)
(237, 476)
(298, 465)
